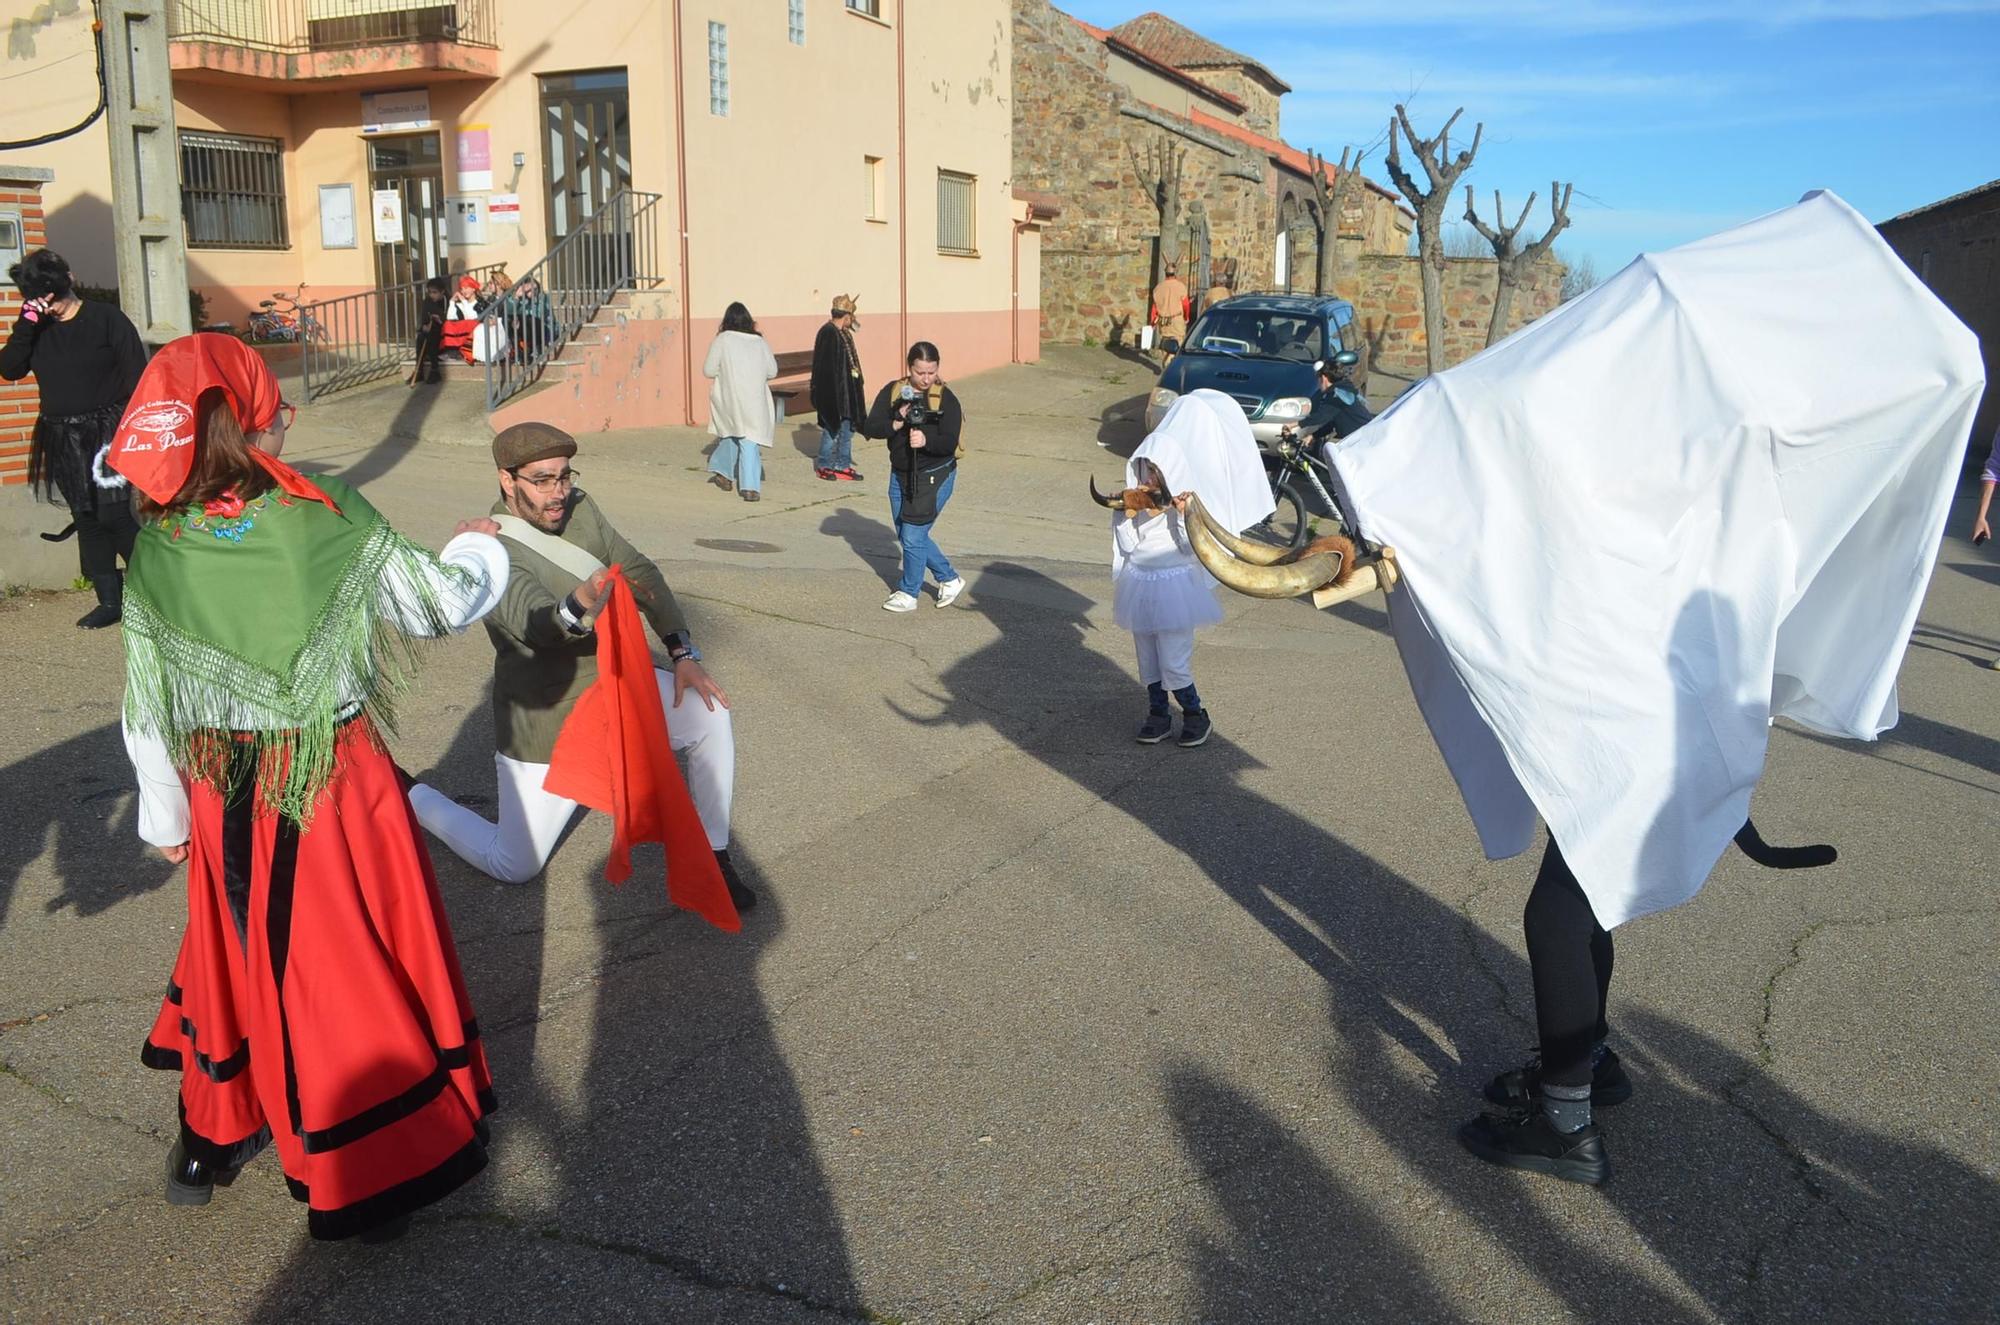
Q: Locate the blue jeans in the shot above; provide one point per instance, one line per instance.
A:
(740, 460)
(919, 552)
(836, 449)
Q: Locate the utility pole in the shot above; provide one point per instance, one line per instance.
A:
(145, 169)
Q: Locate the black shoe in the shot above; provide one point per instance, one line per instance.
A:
(1156, 728)
(97, 618)
(1523, 1086)
(1194, 727)
(1525, 1139)
(191, 1181)
(740, 893)
(387, 1231)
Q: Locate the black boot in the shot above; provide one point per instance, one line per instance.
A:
(110, 607)
(740, 893)
(191, 1181)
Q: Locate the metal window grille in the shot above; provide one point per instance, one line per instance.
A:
(872, 8)
(233, 191)
(956, 232)
(795, 21)
(718, 68)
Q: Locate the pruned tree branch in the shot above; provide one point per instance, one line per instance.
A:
(1442, 172)
(1510, 258)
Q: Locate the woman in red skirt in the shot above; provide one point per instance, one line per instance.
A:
(317, 1000)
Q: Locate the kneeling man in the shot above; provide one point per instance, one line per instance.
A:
(560, 545)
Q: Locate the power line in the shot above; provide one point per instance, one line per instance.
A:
(103, 98)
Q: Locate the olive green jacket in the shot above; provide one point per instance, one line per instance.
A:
(540, 670)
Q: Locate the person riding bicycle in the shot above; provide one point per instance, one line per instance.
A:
(1338, 409)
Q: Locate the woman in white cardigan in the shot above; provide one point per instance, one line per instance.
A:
(739, 404)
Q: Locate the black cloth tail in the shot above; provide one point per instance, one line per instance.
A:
(1782, 858)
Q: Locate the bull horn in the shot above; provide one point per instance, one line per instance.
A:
(1257, 554)
(1112, 503)
(1286, 581)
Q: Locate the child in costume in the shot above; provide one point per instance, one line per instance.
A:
(317, 999)
(1159, 591)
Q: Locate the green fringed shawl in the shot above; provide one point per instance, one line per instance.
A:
(271, 637)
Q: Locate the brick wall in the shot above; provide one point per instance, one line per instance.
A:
(18, 400)
(1954, 248)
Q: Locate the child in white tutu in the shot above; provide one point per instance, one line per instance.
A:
(1159, 591)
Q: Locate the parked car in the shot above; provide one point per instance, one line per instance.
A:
(1258, 349)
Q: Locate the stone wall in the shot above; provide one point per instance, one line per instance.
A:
(1075, 128)
(1260, 103)
(1388, 295)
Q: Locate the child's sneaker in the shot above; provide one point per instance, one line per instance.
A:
(1156, 728)
(1194, 727)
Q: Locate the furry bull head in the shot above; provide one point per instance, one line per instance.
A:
(1130, 500)
(1328, 568)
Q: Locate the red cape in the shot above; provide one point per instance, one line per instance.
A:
(613, 755)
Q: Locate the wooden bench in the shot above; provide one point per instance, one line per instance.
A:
(792, 394)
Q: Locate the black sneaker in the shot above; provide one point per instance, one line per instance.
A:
(1525, 1139)
(97, 618)
(740, 893)
(1523, 1086)
(1194, 727)
(1156, 728)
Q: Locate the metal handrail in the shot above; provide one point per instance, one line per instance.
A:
(615, 250)
(361, 337)
(301, 26)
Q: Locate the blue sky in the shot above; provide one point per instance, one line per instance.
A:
(1674, 118)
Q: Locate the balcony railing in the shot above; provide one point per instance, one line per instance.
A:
(301, 26)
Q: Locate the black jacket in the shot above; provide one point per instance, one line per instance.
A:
(835, 394)
(940, 438)
(1338, 411)
(91, 362)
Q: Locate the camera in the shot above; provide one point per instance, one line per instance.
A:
(919, 413)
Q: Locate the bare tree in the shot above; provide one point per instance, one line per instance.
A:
(1513, 260)
(1159, 174)
(1579, 274)
(1330, 202)
(1442, 171)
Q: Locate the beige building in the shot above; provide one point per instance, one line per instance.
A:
(780, 152)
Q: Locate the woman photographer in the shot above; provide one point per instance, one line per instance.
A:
(86, 357)
(919, 417)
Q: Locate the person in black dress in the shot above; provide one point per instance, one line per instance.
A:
(86, 357)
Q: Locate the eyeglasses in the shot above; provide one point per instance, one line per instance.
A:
(548, 482)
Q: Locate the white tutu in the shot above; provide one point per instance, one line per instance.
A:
(1172, 598)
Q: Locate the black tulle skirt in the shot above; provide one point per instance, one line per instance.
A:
(62, 454)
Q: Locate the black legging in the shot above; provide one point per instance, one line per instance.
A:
(1569, 957)
(104, 537)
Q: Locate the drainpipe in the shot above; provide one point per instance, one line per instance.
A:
(681, 199)
(1014, 281)
(902, 186)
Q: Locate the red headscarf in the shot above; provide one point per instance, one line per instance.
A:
(154, 444)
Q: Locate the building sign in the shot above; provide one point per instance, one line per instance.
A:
(504, 208)
(475, 158)
(336, 216)
(388, 209)
(465, 221)
(386, 112)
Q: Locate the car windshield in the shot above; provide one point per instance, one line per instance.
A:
(1258, 333)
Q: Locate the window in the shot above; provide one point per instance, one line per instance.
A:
(795, 21)
(232, 191)
(957, 232)
(1924, 268)
(874, 187)
(718, 69)
(872, 8)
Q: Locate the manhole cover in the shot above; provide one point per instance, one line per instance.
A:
(736, 545)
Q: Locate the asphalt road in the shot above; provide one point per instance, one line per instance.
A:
(1036, 1024)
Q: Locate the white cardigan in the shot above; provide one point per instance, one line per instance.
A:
(739, 404)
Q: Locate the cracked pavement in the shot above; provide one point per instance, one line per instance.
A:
(1036, 1024)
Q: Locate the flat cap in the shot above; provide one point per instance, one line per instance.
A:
(526, 442)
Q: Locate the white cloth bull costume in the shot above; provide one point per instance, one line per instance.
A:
(1705, 495)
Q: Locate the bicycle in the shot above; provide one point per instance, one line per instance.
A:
(280, 318)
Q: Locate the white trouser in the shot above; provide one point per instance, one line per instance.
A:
(1166, 656)
(531, 819)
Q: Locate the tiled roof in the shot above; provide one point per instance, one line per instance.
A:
(1944, 202)
(1182, 48)
(1125, 48)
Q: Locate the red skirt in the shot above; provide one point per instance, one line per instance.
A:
(317, 1000)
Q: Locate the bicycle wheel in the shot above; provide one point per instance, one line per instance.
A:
(1287, 526)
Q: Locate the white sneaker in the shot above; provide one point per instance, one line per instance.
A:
(949, 591)
(900, 602)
